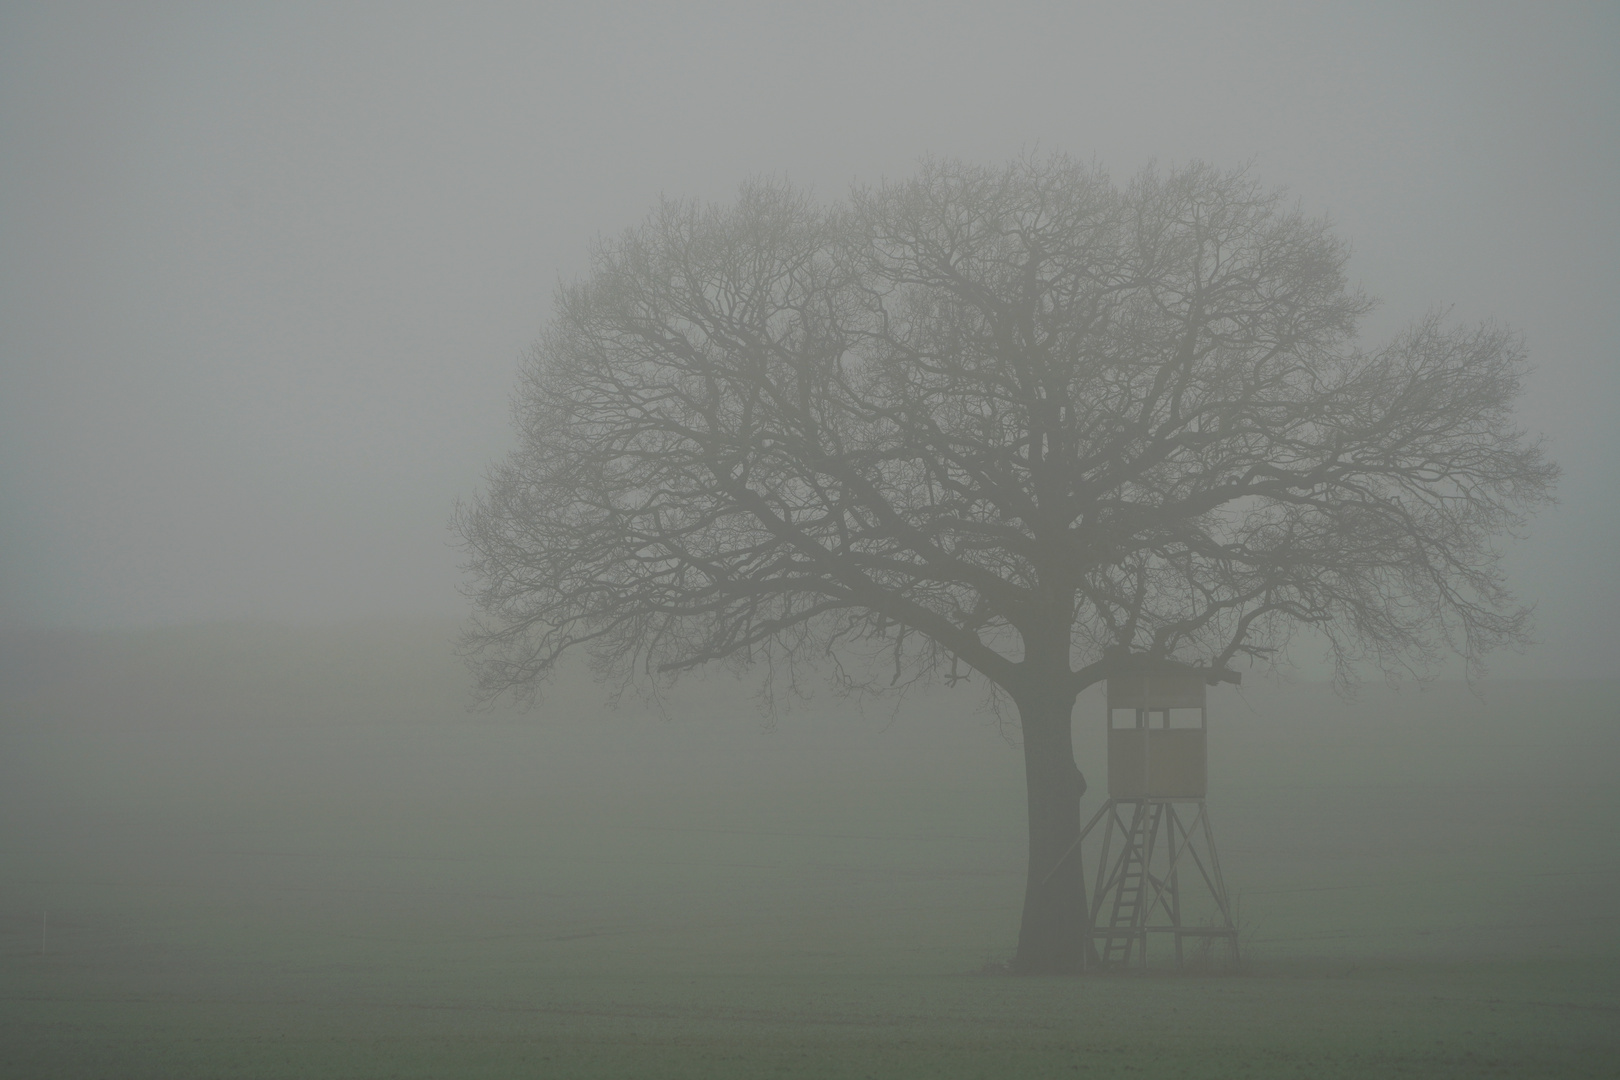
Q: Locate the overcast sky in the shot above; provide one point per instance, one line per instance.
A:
(267, 270)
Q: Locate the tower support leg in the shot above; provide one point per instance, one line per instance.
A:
(1137, 891)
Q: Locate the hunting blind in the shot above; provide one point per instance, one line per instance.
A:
(1157, 863)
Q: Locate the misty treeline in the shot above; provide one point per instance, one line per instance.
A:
(1018, 424)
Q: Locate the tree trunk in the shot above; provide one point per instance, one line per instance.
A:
(1053, 938)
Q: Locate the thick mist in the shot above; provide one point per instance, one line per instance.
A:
(269, 271)
(336, 774)
(215, 840)
(267, 276)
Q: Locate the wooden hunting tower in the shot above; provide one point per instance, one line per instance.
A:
(1156, 838)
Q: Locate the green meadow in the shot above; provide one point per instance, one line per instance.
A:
(250, 851)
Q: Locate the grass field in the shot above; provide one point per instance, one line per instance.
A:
(258, 852)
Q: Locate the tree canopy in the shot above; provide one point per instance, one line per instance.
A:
(1016, 421)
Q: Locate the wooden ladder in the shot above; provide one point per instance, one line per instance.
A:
(1125, 923)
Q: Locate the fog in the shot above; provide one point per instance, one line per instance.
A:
(279, 851)
(336, 772)
(268, 271)
(267, 274)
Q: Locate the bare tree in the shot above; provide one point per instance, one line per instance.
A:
(1013, 421)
